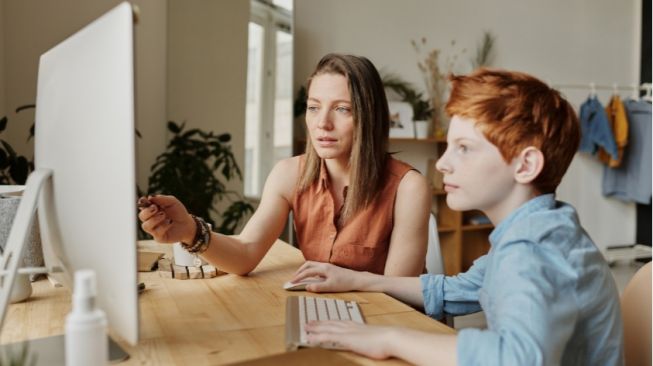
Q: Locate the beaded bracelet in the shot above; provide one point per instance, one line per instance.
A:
(202, 238)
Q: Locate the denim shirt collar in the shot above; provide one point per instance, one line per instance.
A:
(536, 204)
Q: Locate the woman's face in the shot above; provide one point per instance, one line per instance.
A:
(329, 116)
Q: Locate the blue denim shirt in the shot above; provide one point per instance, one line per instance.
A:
(548, 295)
(595, 129)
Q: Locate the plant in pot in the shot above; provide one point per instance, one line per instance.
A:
(422, 110)
(14, 170)
(195, 168)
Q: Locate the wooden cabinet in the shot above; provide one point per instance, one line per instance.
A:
(463, 235)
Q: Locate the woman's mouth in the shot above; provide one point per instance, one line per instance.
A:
(326, 141)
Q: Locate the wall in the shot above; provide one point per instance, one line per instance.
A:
(31, 27)
(207, 68)
(2, 62)
(559, 41)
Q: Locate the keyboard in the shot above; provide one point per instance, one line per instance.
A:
(303, 309)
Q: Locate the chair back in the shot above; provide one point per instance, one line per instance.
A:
(636, 313)
(434, 263)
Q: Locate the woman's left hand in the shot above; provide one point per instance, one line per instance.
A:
(336, 279)
(367, 340)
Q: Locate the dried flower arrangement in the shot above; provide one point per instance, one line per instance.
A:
(435, 80)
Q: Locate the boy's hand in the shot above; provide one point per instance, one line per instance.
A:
(367, 340)
(166, 219)
(336, 279)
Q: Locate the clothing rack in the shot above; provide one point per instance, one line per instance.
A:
(614, 87)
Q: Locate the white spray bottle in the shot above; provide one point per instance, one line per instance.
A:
(86, 325)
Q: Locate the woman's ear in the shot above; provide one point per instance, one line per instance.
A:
(530, 163)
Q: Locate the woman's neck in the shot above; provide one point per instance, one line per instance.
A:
(338, 170)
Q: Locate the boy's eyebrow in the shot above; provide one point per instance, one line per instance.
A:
(458, 139)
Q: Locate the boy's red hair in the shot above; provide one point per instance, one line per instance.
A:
(514, 111)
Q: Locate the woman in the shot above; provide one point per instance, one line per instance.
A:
(353, 204)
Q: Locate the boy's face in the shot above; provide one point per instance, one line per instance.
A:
(475, 174)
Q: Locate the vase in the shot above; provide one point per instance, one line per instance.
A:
(33, 251)
(422, 129)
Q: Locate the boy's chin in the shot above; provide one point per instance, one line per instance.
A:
(457, 204)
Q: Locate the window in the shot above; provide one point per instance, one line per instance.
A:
(268, 115)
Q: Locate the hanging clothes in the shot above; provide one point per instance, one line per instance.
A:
(631, 181)
(618, 122)
(595, 129)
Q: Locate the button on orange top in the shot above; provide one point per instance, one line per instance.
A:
(362, 243)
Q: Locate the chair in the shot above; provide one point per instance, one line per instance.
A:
(434, 263)
(636, 313)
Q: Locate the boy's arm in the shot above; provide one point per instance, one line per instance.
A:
(436, 293)
(530, 306)
(455, 295)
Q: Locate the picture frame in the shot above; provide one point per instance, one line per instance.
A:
(401, 120)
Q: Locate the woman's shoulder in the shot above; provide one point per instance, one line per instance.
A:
(285, 174)
(395, 165)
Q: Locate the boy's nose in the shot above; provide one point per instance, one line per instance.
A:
(442, 165)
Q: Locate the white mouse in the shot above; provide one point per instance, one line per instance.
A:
(301, 285)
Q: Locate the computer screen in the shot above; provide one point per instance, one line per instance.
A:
(85, 134)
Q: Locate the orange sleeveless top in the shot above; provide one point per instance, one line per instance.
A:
(362, 243)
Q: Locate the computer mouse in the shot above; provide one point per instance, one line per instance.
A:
(301, 285)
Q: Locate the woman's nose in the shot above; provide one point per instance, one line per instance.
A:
(324, 121)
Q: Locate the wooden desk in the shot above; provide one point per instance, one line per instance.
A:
(210, 321)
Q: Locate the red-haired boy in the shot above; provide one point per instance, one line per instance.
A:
(547, 293)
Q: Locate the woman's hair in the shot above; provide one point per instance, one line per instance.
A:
(371, 127)
(514, 111)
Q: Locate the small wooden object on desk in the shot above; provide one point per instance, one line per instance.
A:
(168, 269)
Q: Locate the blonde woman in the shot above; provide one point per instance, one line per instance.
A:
(354, 205)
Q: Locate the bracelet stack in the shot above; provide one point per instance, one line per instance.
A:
(202, 237)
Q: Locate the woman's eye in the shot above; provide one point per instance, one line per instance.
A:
(343, 109)
(312, 108)
(462, 148)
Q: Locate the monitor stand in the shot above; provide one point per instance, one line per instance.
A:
(51, 351)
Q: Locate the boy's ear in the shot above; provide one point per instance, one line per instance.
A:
(530, 163)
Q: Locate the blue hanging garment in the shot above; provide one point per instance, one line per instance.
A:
(595, 129)
(631, 181)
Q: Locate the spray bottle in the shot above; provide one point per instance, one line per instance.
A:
(86, 325)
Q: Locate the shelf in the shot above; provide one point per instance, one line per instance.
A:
(473, 227)
(446, 229)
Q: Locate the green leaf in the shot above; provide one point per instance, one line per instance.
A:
(9, 149)
(225, 137)
(24, 107)
(19, 170)
(173, 127)
(4, 160)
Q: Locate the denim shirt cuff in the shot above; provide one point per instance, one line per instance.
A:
(433, 292)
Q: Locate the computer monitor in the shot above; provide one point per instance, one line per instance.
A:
(85, 174)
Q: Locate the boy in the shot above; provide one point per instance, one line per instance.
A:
(547, 293)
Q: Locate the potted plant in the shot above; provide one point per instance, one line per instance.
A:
(422, 110)
(14, 168)
(195, 168)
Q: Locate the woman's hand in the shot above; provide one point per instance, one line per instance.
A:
(367, 340)
(336, 279)
(166, 219)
